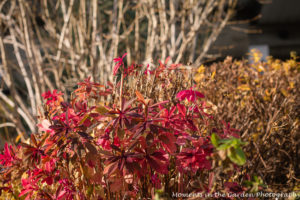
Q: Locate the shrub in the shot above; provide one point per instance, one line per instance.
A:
(261, 99)
(149, 134)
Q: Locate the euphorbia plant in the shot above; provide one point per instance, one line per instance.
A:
(128, 147)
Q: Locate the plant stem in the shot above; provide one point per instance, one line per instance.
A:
(121, 89)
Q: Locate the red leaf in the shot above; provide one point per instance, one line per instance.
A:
(160, 155)
(119, 62)
(168, 142)
(181, 108)
(61, 194)
(116, 185)
(190, 95)
(155, 164)
(111, 168)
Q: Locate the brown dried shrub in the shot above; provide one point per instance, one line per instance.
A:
(262, 100)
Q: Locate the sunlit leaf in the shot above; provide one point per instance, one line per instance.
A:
(214, 140)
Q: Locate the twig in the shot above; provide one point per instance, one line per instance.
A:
(7, 124)
(64, 28)
(259, 155)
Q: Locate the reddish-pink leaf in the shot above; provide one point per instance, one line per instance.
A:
(116, 185)
(168, 142)
(111, 168)
(190, 95)
(182, 110)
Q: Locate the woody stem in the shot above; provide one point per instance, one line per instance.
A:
(121, 89)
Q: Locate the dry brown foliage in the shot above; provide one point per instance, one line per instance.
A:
(262, 100)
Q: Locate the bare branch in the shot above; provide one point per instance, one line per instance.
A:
(7, 124)
(64, 28)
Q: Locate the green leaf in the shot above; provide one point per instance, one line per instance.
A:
(224, 146)
(214, 140)
(227, 141)
(235, 157)
(241, 155)
(248, 183)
